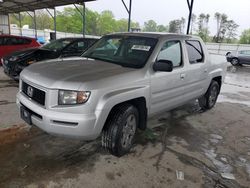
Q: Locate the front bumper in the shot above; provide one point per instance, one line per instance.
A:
(229, 59)
(82, 126)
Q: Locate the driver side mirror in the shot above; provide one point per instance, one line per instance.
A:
(163, 65)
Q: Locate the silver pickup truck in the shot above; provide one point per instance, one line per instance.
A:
(118, 83)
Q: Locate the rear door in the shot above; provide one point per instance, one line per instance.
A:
(248, 56)
(197, 70)
(244, 56)
(167, 87)
(2, 49)
(13, 44)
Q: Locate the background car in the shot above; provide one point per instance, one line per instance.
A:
(10, 44)
(14, 63)
(239, 57)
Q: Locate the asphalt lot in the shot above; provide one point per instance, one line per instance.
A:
(206, 147)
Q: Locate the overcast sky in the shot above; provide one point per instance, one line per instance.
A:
(163, 11)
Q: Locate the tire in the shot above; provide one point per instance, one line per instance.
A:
(120, 129)
(208, 100)
(235, 62)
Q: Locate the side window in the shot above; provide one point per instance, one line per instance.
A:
(194, 50)
(1, 41)
(81, 45)
(171, 51)
(10, 41)
(24, 41)
(76, 46)
(91, 42)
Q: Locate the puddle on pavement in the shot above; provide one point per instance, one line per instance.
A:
(243, 162)
(8, 83)
(5, 102)
(172, 127)
(40, 156)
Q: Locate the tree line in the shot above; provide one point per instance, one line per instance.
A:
(70, 20)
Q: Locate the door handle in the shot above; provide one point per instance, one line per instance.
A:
(205, 70)
(182, 76)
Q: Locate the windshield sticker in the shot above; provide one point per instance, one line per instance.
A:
(141, 47)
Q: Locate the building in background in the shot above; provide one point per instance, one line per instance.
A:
(4, 24)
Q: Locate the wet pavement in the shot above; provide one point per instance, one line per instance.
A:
(185, 147)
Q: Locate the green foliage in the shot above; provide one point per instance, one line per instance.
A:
(203, 30)
(70, 20)
(177, 26)
(43, 20)
(245, 37)
(226, 29)
(151, 26)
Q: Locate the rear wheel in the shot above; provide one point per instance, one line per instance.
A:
(120, 128)
(208, 100)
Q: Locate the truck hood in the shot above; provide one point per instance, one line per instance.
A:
(71, 74)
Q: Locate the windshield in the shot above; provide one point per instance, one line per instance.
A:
(127, 51)
(57, 44)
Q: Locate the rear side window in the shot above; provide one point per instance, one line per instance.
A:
(77, 46)
(1, 41)
(195, 52)
(25, 41)
(91, 42)
(16, 41)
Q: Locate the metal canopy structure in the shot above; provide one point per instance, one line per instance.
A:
(16, 6)
(190, 8)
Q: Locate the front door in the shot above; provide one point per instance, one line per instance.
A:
(167, 87)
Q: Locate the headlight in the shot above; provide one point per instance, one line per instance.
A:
(14, 58)
(72, 97)
(31, 62)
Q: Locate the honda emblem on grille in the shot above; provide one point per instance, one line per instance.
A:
(30, 91)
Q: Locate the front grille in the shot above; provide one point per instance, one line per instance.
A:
(33, 93)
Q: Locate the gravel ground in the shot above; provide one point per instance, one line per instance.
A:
(204, 148)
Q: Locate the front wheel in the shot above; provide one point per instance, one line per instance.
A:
(235, 62)
(120, 128)
(208, 100)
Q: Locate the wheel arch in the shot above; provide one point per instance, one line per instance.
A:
(140, 104)
(218, 79)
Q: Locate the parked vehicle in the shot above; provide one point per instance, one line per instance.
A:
(67, 47)
(123, 79)
(11, 43)
(239, 58)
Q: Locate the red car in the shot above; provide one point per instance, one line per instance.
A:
(10, 43)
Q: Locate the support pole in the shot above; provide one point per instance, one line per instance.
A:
(83, 19)
(20, 23)
(83, 12)
(35, 24)
(9, 23)
(129, 12)
(190, 7)
(55, 21)
(129, 15)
